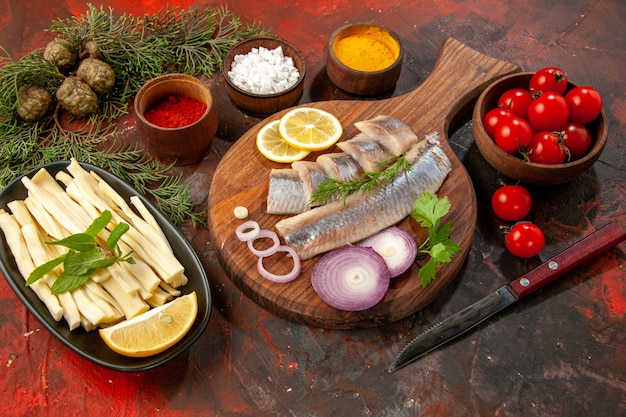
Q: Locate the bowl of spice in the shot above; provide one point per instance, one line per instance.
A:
(264, 75)
(176, 118)
(364, 59)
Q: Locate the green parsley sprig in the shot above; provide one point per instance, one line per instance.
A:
(429, 210)
(84, 257)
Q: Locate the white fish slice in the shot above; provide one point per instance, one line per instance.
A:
(311, 173)
(395, 135)
(340, 166)
(361, 215)
(367, 151)
(286, 193)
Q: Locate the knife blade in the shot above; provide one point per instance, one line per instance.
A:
(453, 326)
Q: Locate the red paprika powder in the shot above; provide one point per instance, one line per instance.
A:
(175, 111)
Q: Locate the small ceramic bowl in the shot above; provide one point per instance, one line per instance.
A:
(515, 167)
(181, 145)
(364, 76)
(264, 104)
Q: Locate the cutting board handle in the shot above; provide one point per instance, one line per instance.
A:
(458, 77)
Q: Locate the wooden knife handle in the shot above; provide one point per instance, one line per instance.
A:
(589, 247)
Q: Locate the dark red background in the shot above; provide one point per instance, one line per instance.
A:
(558, 353)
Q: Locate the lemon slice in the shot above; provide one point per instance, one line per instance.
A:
(153, 331)
(274, 147)
(310, 128)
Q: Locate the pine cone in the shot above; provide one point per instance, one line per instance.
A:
(33, 102)
(61, 53)
(77, 97)
(98, 74)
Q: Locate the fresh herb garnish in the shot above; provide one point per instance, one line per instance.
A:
(332, 189)
(429, 210)
(85, 255)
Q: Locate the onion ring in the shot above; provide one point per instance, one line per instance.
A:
(281, 279)
(264, 233)
(247, 230)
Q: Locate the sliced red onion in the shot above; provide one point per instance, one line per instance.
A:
(281, 279)
(396, 246)
(264, 234)
(351, 278)
(247, 230)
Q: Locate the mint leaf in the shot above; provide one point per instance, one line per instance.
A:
(79, 263)
(99, 223)
(85, 256)
(115, 236)
(67, 282)
(42, 270)
(78, 242)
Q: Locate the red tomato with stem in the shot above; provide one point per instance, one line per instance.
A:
(547, 148)
(492, 118)
(577, 139)
(511, 202)
(525, 240)
(516, 100)
(548, 79)
(549, 111)
(585, 104)
(512, 134)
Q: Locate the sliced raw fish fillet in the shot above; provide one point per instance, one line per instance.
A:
(367, 151)
(311, 173)
(340, 166)
(392, 133)
(286, 193)
(339, 223)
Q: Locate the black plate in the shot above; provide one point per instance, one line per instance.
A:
(89, 344)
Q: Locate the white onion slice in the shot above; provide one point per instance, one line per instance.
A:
(247, 230)
(281, 279)
(264, 234)
(351, 278)
(396, 246)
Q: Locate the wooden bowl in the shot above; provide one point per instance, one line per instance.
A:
(264, 104)
(515, 167)
(362, 81)
(182, 145)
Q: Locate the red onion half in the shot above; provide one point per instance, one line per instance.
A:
(351, 278)
(396, 246)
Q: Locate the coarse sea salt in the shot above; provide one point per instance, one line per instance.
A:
(263, 71)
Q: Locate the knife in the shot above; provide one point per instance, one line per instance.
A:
(590, 246)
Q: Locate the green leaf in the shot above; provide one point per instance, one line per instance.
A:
(79, 242)
(42, 270)
(67, 282)
(115, 236)
(103, 263)
(427, 272)
(429, 208)
(79, 263)
(99, 223)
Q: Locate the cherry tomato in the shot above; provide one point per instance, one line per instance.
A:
(525, 240)
(585, 104)
(513, 133)
(516, 100)
(547, 148)
(511, 202)
(577, 139)
(492, 118)
(548, 79)
(549, 111)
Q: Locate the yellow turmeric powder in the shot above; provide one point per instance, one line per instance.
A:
(370, 50)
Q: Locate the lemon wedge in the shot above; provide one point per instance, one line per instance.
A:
(310, 129)
(155, 330)
(272, 145)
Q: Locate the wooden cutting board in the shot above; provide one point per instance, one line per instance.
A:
(241, 179)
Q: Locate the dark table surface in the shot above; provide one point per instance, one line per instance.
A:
(559, 352)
